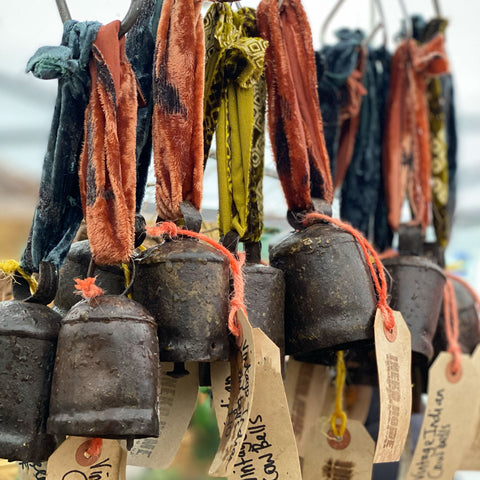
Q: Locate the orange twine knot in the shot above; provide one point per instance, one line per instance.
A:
(87, 288)
(450, 314)
(95, 448)
(376, 267)
(236, 301)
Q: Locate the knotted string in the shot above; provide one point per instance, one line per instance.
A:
(451, 325)
(378, 273)
(171, 230)
(339, 413)
(95, 448)
(87, 288)
(9, 267)
(471, 291)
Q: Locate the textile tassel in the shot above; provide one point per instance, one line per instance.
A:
(59, 213)
(140, 47)
(234, 64)
(107, 166)
(407, 159)
(178, 109)
(295, 121)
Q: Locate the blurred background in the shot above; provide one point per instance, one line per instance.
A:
(26, 108)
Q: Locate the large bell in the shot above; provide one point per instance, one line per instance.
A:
(109, 277)
(469, 335)
(185, 285)
(106, 371)
(265, 299)
(417, 292)
(330, 300)
(28, 340)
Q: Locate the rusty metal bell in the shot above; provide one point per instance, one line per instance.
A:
(265, 297)
(330, 300)
(185, 285)
(417, 292)
(109, 277)
(28, 340)
(106, 371)
(469, 335)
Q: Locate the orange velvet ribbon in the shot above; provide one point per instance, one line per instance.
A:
(107, 163)
(407, 155)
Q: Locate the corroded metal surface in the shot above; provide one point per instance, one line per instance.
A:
(28, 340)
(110, 278)
(185, 285)
(417, 292)
(106, 371)
(329, 297)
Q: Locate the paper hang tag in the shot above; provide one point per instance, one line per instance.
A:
(221, 383)
(269, 450)
(306, 386)
(349, 459)
(447, 428)
(32, 471)
(177, 399)
(242, 373)
(394, 358)
(471, 458)
(69, 461)
(329, 402)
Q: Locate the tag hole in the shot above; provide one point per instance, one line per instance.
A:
(452, 375)
(338, 443)
(82, 457)
(390, 334)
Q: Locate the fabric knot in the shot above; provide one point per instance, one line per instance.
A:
(87, 288)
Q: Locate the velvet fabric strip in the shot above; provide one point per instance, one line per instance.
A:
(107, 166)
(178, 81)
(140, 47)
(234, 66)
(407, 157)
(295, 122)
(59, 212)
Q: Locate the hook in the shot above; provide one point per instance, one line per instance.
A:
(381, 25)
(127, 22)
(328, 20)
(436, 6)
(408, 20)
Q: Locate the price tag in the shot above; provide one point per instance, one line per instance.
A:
(306, 386)
(70, 461)
(242, 373)
(221, 386)
(269, 450)
(177, 400)
(32, 471)
(447, 428)
(351, 458)
(394, 358)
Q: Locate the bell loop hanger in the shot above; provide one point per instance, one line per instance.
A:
(126, 24)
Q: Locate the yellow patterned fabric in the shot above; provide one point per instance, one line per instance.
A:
(234, 65)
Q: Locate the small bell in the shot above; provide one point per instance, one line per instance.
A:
(185, 285)
(330, 300)
(416, 291)
(110, 278)
(106, 371)
(28, 340)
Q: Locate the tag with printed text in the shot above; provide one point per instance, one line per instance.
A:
(447, 428)
(32, 471)
(269, 450)
(394, 359)
(70, 461)
(177, 400)
(306, 386)
(351, 458)
(242, 374)
(471, 459)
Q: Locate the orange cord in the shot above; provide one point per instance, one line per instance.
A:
(236, 302)
(450, 314)
(378, 275)
(95, 448)
(87, 288)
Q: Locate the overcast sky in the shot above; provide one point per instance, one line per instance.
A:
(26, 25)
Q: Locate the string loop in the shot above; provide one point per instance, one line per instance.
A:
(339, 413)
(9, 267)
(450, 313)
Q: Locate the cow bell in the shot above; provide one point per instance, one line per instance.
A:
(109, 277)
(330, 299)
(185, 285)
(28, 340)
(106, 371)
